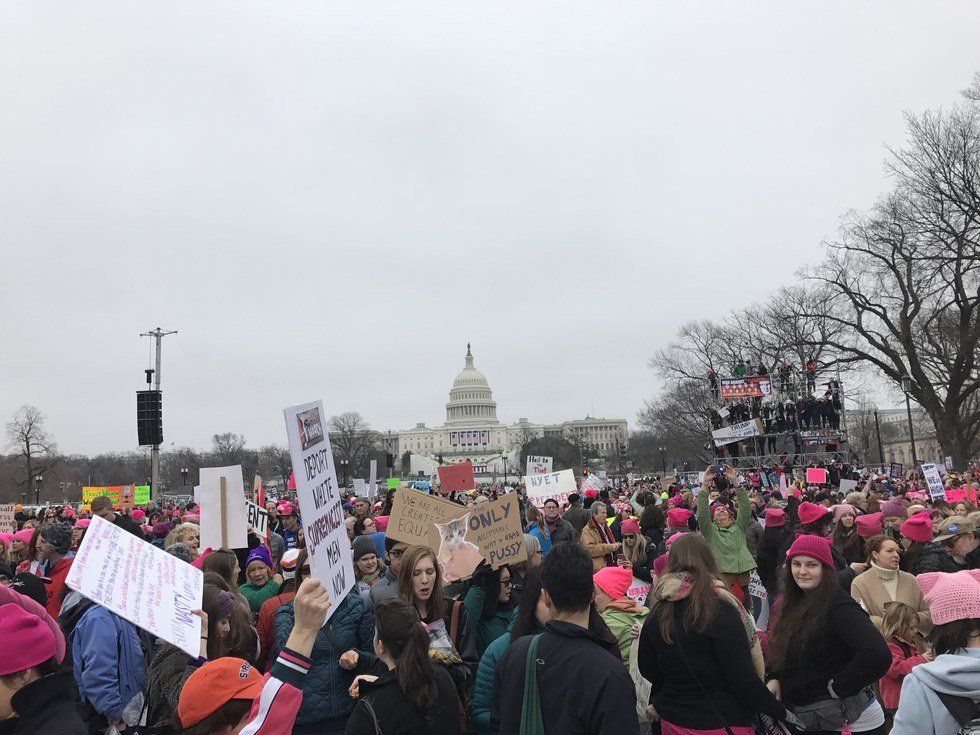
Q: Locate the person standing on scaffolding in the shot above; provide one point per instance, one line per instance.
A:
(810, 373)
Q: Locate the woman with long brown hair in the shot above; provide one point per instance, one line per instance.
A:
(699, 649)
(824, 652)
(412, 696)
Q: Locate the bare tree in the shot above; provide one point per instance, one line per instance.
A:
(903, 281)
(31, 443)
(352, 439)
(274, 461)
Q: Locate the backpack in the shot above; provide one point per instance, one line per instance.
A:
(965, 711)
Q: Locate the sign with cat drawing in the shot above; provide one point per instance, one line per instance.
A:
(461, 536)
(456, 478)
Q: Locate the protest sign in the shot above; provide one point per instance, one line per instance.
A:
(592, 482)
(139, 582)
(558, 485)
(816, 476)
(373, 481)
(949, 463)
(7, 522)
(737, 432)
(456, 478)
(361, 488)
(496, 529)
(953, 495)
(896, 469)
(539, 465)
(755, 387)
(847, 486)
(258, 518)
(638, 591)
(319, 500)
(936, 489)
(137, 494)
(224, 523)
(393, 483)
(126, 499)
(141, 494)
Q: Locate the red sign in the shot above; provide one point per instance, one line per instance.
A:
(456, 477)
(816, 476)
(755, 387)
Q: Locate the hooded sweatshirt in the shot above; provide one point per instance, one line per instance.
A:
(920, 711)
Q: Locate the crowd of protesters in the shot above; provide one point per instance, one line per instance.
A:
(732, 606)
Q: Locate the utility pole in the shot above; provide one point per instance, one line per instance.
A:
(158, 334)
(881, 450)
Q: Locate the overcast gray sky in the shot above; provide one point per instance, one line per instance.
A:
(329, 200)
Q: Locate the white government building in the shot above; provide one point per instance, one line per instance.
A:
(473, 432)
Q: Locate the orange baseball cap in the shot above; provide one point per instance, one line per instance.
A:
(213, 685)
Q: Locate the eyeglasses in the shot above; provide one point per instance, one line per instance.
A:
(629, 536)
(396, 553)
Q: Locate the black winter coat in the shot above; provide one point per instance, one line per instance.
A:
(719, 659)
(45, 706)
(397, 715)
(934, 558)
(584, 689)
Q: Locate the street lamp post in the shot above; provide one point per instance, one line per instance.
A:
(343, 466)
(38, 479)
(663, 459)
(907, 388)
(183, 477)
(505, 469)
(881, 449)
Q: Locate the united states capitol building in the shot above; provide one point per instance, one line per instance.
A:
(473, 432)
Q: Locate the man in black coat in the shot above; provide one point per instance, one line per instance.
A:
(583, 689)
(102, 507)
(576, 514)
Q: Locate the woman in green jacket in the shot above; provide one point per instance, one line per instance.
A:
(490, 602)
(531, 618)
(726, 535)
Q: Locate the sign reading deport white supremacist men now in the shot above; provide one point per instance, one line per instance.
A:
(319, 500)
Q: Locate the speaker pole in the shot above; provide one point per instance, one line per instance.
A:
(158, 334)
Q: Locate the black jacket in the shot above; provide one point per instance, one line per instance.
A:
(45, 706)
(767, 557)
(584, 690)
(848, 649)
(577, 516)
(128, 524)
(397, 715)
(934, 558)
(719, 659)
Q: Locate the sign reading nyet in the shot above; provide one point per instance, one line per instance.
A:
(319, 500)
(139, 582)
(558, 485)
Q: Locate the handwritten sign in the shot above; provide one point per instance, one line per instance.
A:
(421, 519)
(496, 528)
(319, 500)
(816, 476)
(935, 482)
(539, 465)
(139, 582)
(135, 494)
(224, 522)
(456, 478)
(361, 488)
(558, 485)
(258, 518)
(638, 591)
(7, 522)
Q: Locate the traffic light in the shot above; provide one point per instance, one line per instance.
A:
(389, 460)
(149, 417)
(622, 449)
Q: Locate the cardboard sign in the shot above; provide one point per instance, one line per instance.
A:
(755, 387)
(224, 523)
(137, 494)
(539, 465)
(126, 498)
(737, 432)
(816, 476)
(456, 478)
(558, 485)
(258, 519)
(139, 582)
(937, 490)
(7, 522)
(425, 520)
(848, 486)
(496, 529)
(319, 500)
(638, 591)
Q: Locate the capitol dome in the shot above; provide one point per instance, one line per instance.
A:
(470, 399)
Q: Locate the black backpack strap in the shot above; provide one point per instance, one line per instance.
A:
(962, 709)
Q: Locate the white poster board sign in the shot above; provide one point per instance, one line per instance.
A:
(558, 485)
(373, 479)
(223, 523)
(539, 465)
(7, 522)
(593, 482)
(737, 432)
(848, 486)
(258, 519)
(319, 500)
(937, 490)
(638, 591)
(361, 488)
(141, 583)
(949, 463)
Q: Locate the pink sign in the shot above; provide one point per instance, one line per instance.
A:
(816, 476)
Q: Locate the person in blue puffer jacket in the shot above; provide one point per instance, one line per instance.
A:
(344, 642)
(109, 666)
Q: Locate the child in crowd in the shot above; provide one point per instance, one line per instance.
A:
(899, 627)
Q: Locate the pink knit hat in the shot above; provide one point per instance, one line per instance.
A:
(25, 535)
(817, 547)
(31, 641)
(810, 513)
(191, 518)
(660, 563)
(721, 506)
(381, 522)
(775, 517)
(5, 539)
(918, 528)
(137, 515)
(673, 537)
(614, 581)
(83, 522)
(893, 509)
(629, 526)
(843, 509)
(869, 525)
(951, 596)
(677, 517)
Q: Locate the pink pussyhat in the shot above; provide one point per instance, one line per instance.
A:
(951, 596)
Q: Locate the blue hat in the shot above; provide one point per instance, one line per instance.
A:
(259, 553)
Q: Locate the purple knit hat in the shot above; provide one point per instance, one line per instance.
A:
(259, 553)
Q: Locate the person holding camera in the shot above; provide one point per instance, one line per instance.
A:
(723, 530)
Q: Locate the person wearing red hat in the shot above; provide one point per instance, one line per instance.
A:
(816, 520)
(884, 583)
(773, 540)
(35, 697)
(678, 521)
(824, 651)
(869, 525)
(923, 553)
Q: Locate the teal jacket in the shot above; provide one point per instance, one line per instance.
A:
(728, 544)
(482, 703)
(487, 629)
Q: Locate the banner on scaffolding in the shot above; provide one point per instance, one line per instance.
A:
(737, 432)
(756, 387)
(823, 436)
